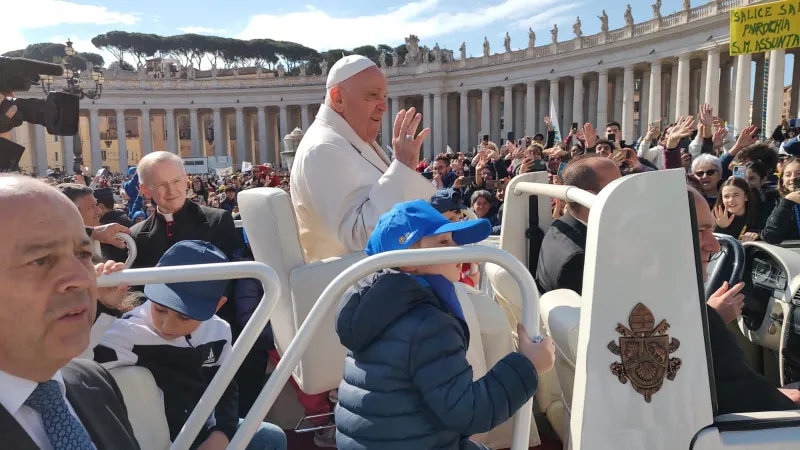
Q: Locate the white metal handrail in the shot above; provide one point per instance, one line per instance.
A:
(333, 292)
(251, 331)
(559, 191)
(132, 250)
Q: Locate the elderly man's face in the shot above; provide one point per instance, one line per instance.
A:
(47, 285)
(362, 102)
(166, 185)
(90, 211)
(705, 231)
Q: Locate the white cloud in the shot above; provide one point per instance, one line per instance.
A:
(425, 18)
(202, 30)
(51, 13)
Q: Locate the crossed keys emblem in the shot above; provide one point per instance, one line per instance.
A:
(645, 349)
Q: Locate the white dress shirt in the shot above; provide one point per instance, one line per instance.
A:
(13, 393)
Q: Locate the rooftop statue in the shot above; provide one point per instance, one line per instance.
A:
(554, 33)
(323, 67)
(576, 28)
(485, 46)
(437, 53)
(603, 22)
(657, 10)
(507, 43)
(531, 38)
(382, 59)
(395, 58)
(463, 50)
(628, 16)
(281, 70)
(302, 69)
(687, 5)
(413, 55)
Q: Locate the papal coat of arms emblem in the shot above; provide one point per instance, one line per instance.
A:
(645, 351)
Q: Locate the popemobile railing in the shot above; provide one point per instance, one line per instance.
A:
(330, 297)
(132, 250)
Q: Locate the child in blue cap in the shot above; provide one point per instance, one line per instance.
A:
(407, 383)
(177, 336)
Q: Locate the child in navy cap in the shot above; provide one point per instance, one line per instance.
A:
(407, 383)
(177, 336)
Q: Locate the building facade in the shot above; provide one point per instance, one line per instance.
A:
(640, 74)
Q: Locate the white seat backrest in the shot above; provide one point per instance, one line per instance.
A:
(145, 406)
(515, 216)
(561, 315)
(271, 229)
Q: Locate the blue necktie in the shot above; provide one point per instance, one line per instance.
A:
(63, 429)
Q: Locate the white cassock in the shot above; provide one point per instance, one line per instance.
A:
(341, 185)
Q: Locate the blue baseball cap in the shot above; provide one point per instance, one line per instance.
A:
(197, 300)
(792, 146)
(408, 222)
(447, 200)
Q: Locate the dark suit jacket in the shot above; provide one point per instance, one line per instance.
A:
(561, 257)
(98, 403)
(192, 222)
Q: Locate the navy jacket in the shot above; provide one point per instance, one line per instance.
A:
(407, 383)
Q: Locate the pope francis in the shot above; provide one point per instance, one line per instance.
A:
(342, 181)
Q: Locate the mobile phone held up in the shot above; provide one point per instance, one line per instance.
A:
(427, 175)
(495, 184)
(561, 168)
(740, 172)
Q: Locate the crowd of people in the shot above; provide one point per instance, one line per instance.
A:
(406, 382)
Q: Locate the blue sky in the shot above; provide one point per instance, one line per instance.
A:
(319, 24)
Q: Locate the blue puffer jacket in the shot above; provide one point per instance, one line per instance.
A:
(407, 383)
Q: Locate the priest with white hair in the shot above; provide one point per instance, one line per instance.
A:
(342, 181)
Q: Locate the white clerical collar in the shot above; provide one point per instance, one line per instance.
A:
(167, 216)
(579, 220)
(15, 390)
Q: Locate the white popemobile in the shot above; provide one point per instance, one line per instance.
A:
(643, 300)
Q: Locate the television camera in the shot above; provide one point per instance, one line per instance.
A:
(58, 113)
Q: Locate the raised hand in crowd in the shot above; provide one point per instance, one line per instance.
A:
(706, 115)
(728, 301)
(549, 123)
(106, 234)
(111, 297)
(652, 132)
(747, 137)
(719, 137)
(722, 217)
(683, 128)
(590, 135)
(406, 147)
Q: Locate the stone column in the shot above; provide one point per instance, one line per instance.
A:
(395, 108)
(644, 104)
(94, 139)
(444, 121)
(777, 62)
(554, 101)
(438, 135)
(66, 150)
(38, 146)
(794, 104)
(577, 101)
(172, 140)
(627, 104)
(713, 81)
(742, 100)
(544, 107)
(474, 124)
(219, 136)
(273, 140)
(262, 136)
(122, 142)
(146, 139)
(673, 91)
(683, 85)
(508, 111)
(618, 88)
(485, 116)
(427, 116)
(284, 125)
(463, 121)
(241, 141)
(495, 116)
(194, 129)
(654, 97)
(519, 113)
(568, 104)
(701, 96)
(724, 99)
(530, 108)
(758, 92)
(602, 99)
(304, 118)
(593, 102)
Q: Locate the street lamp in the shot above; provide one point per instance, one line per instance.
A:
(72, 76)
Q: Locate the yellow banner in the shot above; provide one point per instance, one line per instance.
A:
(765, 27)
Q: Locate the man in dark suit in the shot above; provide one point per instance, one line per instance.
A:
(561, 257)
(48, 301)
(163, 179)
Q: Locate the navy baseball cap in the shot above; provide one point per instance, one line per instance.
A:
(408, 222)
(197, 300)
(447, 200)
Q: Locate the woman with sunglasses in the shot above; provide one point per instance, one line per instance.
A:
(784, 222)
(708, 169)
